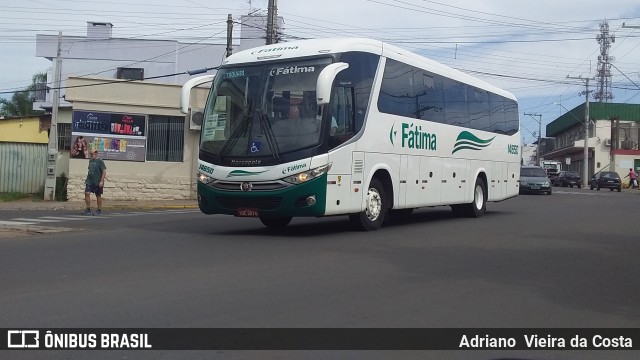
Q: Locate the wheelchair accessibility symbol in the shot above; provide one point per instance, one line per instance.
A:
(255, 147)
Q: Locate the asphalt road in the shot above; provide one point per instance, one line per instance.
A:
(537, 261)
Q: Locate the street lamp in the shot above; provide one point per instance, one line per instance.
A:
(585, 165)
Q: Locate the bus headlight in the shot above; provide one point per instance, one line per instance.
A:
(204, 178)
(307, 175)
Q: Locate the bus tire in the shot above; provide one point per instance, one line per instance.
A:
(375, 208)
(275, 222)
(478, 206)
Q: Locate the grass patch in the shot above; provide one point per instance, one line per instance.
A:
(14, 196)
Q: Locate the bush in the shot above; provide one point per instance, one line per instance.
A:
(61, 187)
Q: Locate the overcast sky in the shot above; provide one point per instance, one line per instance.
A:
(525, 47)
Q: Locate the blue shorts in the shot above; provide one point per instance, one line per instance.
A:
(93, 189)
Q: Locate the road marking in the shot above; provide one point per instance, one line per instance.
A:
(16, 223)
(70, 217)
(77, 216)
(35, 219)
(66, 218)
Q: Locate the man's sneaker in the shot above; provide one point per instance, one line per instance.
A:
(86, 212)
(98, 212)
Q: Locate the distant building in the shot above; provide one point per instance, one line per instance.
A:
(529, 154)
(614, 136)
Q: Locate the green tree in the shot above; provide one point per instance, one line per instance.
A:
(21, 102)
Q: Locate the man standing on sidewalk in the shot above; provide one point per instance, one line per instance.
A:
(94, 183)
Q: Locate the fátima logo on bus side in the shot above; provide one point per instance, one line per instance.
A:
(413, 137)
(468, 141)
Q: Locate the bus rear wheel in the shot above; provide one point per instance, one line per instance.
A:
(275, 222)
(375, 208)
(478, 206)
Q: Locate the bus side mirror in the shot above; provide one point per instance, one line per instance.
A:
(185, 93)
(325, 80)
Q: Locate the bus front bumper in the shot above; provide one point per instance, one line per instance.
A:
(294, 201)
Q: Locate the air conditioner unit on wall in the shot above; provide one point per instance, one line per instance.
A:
(607, 142)
(195, 118)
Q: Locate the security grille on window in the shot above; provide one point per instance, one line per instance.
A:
(165, 138)
(64, 136)
(130, 73)
(41, 91)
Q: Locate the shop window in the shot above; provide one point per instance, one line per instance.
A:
(165, 138)
(64, 136)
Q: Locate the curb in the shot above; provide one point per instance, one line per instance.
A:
(146, 207)
(80, 207)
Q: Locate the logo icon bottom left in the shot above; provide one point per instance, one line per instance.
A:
(23, 339)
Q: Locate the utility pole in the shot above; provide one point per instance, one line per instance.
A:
(272, 16)
(538, 157)
(52, 153)
(585, 165)
(229, 35)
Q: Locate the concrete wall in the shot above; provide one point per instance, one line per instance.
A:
(136, 181)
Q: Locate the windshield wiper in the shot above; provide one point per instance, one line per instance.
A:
(242, 128)
(265, 124)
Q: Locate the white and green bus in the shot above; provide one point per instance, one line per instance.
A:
(351, 127)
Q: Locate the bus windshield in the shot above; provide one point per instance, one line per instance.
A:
(263, 110)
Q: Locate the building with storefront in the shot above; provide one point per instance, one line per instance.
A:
(149, 147)
(613, 141)
(113, 78)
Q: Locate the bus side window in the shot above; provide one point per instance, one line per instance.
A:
(342, 124)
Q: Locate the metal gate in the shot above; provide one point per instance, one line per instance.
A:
(23, 167)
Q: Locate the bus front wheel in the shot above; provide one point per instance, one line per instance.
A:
(275, 222)
(375, 208)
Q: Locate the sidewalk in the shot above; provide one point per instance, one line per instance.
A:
(106, 205)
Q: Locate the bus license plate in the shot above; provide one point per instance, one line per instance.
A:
(247, 212)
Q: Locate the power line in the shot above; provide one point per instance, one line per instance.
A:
(120, 81)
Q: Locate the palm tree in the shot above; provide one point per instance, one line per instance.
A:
(21, 102)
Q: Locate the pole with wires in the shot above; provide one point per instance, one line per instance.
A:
(52, 153)
(272, 12)
(585, 164)
(538, 155)
(229, 35)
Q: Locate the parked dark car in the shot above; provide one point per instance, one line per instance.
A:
(606, 179)
(533, 179)
(568, 178)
